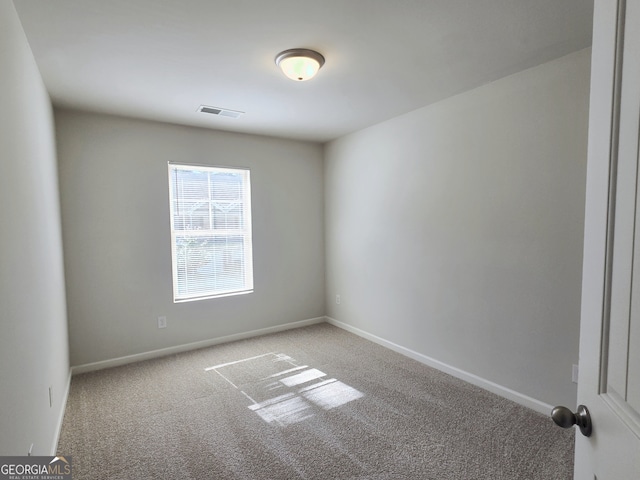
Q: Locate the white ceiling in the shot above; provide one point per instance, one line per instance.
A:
(161, 59)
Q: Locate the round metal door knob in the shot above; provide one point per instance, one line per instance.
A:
(565, 418)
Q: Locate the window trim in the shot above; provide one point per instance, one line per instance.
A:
(246, 232)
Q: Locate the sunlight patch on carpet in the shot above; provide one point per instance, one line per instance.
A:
(281, 391)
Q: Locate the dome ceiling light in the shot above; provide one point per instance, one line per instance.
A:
(299, 64)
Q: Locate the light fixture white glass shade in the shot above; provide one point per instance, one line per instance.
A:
(300, 64)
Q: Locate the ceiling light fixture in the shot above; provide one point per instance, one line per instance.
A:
(299, 64)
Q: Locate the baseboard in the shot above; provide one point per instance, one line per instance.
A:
(488, 385)
(63, 406)
(138, 357)
(492, 387)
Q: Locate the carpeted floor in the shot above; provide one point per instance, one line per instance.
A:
(310, 403)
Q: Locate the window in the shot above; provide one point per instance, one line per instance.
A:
(210, 231)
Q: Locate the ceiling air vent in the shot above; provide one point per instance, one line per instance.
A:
(221, 112)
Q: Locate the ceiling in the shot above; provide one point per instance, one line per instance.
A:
(162, 59)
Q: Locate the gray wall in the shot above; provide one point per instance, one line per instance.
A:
(456, 230)
(115, 212)
(33, 324)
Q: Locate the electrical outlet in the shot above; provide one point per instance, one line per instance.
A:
(162, 322)
(337, 299)
(574, 374)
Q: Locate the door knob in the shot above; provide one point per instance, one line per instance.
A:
(565, 418)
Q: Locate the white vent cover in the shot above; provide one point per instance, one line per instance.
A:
(221, 112)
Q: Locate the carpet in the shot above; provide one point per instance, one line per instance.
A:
(311, 403)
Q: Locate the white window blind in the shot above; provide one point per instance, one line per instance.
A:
(210, 231)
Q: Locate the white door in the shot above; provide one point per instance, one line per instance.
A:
(609, 380)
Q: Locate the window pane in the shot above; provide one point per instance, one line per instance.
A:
(211, 231)
(226, 186)
(227, 215)
(191, 215)
(210, 263)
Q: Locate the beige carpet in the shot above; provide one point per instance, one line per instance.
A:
(311, 403)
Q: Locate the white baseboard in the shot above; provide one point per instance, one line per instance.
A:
(488, 385)
(138, 357)
(492, 387)
(63, 405)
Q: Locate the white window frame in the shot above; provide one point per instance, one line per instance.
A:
(184, 293)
